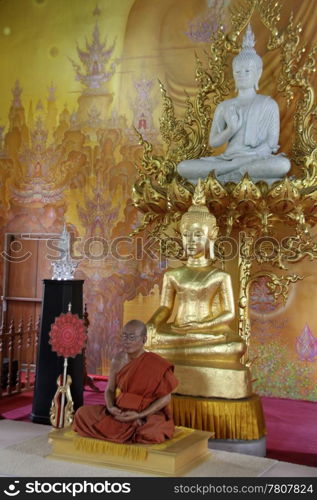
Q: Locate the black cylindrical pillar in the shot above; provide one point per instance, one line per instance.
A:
(56, 297)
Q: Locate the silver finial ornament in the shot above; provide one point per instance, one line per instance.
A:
(65, 267)
(248, 41)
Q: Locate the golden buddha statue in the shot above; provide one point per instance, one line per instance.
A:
(206, 352)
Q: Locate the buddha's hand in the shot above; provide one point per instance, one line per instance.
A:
(192, 325)
(233, 118)
(128, 416)
(151, 334)
(114, 410)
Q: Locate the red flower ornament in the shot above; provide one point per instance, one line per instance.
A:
(68, 335)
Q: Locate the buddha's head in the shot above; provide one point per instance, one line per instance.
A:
(247, 65)
(198, 227)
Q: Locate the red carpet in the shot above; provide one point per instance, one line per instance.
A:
(291, 424)
(291, 430)
(19, 406)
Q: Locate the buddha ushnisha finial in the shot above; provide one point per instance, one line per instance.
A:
(199, 194)
(248, 52)
(198, 212)
(248, 41)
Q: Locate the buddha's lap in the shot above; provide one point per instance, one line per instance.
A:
(231, 346)
(274, 165)
(221, 358)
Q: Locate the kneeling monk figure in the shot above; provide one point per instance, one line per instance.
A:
(137, 396)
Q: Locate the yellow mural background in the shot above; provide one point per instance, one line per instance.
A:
(70, 157)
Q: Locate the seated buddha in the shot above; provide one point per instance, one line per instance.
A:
(200, 335)
(249, 124)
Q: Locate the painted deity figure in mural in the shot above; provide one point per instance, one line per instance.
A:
(137, 396)
(248, 123)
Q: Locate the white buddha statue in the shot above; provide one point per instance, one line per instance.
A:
(248, 123)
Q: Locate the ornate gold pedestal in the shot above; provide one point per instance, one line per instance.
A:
(175, 457)
(227, 419)
(218, 381)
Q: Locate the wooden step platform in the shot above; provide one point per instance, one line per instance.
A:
(174, 457)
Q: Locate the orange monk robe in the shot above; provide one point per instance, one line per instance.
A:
(141, 381)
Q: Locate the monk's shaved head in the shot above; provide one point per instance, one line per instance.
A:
(137, 326)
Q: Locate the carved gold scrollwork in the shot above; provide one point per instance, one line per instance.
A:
(278, 287)
(296, 248)
(179, 195)
(297, 67)
(172, 129)
(240, 17)
(217, 197)
(150, 164)
(244, 275)
(270, 13)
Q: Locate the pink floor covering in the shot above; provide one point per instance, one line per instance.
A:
(291, 424)
(291, 430)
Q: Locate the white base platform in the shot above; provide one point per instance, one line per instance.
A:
(254, 447)
(24, 446)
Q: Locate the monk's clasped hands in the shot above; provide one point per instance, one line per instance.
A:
(127, 416)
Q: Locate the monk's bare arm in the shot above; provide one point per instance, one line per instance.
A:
(156, 406)
(110, 391)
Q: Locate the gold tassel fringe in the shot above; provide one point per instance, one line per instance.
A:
(228, 419)
(132, 451)
(89, 445)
